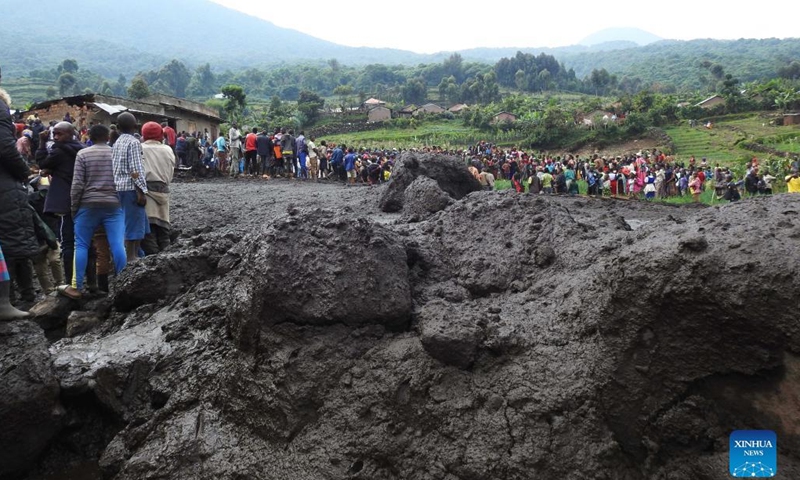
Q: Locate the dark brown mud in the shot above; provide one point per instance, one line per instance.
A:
(296, 331)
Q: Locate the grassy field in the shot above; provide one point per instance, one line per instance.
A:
(723, 143)
(447, 134)
(25, 91)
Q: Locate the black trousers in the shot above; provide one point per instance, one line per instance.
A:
(66, 235)
(21, 272)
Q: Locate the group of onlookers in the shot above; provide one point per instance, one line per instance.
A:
(77, 210)
(648, 174)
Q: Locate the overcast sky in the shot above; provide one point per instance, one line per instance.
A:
(428, 26)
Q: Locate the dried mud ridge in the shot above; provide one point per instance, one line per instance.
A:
(469, 336)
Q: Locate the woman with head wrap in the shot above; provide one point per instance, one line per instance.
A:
(159, 165)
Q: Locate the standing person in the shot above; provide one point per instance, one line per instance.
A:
(301, 150)
(235, 145)
(313, 159)
(180, 150)
(695, 187)
(277, 162)
(322, 154)
(158, 161)
(170, 136)
(47, 264)
(129, 177)
(222, 153)
(287, 150)
(337, 162)
(350, 166)
(94, 202)
(251, 152)
(192, 153)
(547, 182)
(264, 152)
(17, 234)
(59, 164)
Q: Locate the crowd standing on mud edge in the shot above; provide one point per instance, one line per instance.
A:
(77, 206)
(77, 211)
(647, 174)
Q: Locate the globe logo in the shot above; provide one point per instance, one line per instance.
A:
(754, 469)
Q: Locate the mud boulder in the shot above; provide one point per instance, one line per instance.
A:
(449, 172)
(158, 277)
(30, 412)
(449, 335)
(423, 198)
(320, 268)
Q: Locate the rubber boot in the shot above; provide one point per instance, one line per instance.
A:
(8, 312)
(102, 283)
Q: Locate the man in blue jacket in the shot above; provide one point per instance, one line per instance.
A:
(337, 161)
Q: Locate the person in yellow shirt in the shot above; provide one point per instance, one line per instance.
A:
(793, 182)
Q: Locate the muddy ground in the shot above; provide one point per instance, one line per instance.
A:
(295, 330)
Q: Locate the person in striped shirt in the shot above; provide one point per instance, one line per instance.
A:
(94, 202)
(129, 177)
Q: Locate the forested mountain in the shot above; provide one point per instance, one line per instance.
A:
(113, 38)
(679, 64)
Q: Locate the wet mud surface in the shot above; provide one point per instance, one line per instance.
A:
(295, 330)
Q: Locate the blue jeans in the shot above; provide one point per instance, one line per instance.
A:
(86, 222)
(302, 171)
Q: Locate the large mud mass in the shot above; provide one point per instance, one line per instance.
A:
(299, 332)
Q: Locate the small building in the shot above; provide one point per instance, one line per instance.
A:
(711, 102)
(379, 114)
(372, 103)
(458, 108)
(791, 118)
(598, 117)
(91, 108)
(504, 117)
(429, 108)
(407, 111)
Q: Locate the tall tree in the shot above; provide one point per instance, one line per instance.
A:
(344, 93)
(66, 84)
(309, 105)
(202, 82)
(68, 66)
(235, 100)
(415, 91)
(139, 88)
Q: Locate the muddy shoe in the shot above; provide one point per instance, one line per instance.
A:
(69, 292)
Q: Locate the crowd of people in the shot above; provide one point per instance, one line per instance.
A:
(280, 154)
(646, 174)
(77, 206)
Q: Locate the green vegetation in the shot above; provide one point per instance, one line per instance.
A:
(413, 134)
